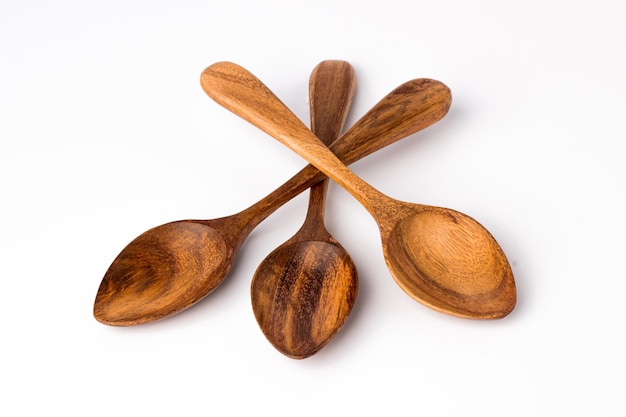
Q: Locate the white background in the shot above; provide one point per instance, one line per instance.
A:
(105, 132)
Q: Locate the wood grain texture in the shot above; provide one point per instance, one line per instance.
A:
(134, 295)
(161, 272)
(449, 262)
(302, 300)
(463, 273)
(303, 292)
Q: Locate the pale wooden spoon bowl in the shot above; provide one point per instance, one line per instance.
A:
(440, 257)
(303, 292)
(171, 267)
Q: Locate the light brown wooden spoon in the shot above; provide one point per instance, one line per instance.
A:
(303, 292)
(169, 268)
(440, 257)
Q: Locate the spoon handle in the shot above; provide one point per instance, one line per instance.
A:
(242, 93)
(331, 90)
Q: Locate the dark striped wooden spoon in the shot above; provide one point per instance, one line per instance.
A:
(303, 292)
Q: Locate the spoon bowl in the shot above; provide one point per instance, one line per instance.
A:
(440, 257)
(166, 281)
(302, 294)
(449, 262)
(161, 272)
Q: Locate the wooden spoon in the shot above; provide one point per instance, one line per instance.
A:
(169, 268)
(303, 292)
(440, 257)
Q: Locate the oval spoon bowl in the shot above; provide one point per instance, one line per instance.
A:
(161, 272)
(449, 262)
(303, 299)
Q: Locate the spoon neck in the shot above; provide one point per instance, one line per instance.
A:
(314, 221)
(374, 201)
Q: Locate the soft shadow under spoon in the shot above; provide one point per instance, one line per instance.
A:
(442, 258)
(303, 292)
(169, 268)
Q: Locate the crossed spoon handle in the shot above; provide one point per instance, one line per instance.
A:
(239, 91)
(409, 108)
